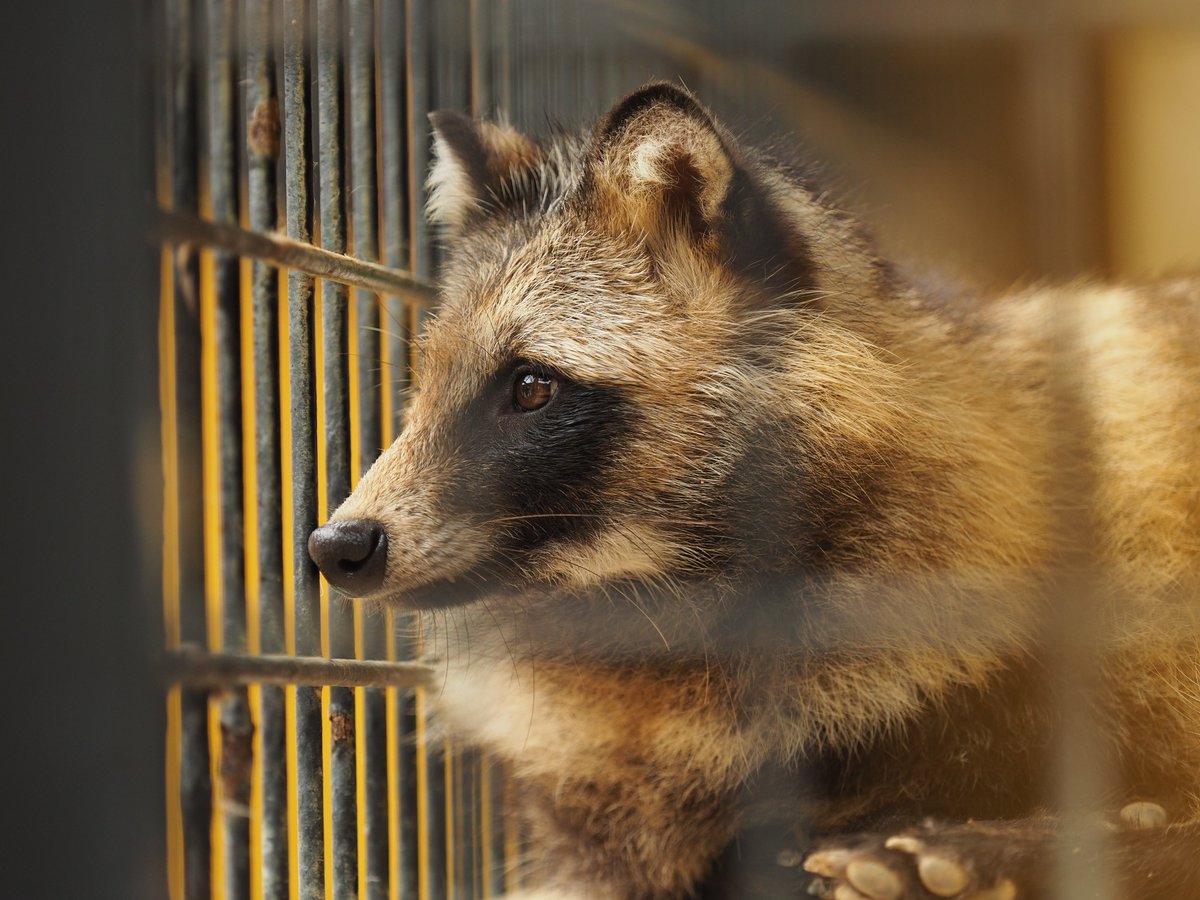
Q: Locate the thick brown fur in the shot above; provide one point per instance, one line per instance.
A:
(784, 549)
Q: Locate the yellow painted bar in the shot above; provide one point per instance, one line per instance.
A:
(289, 592)
(167, 387)
(485, 816)
(387, 426)
(210, 437)
(318, 338)
(422, 766)
(170, 564)
(174, 786)
(448, 771)
(420, 702)
(250, 545)
(356, 465)
(249, 462)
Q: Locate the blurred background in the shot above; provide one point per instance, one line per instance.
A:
(998, 143)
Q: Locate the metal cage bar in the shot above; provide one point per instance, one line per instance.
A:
(299, 727)
(220, 305)
(393, 142)
(333, 413)
(190, 810)
(305, 704)
(269, 850)
(366, 440)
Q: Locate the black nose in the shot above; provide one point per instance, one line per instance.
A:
(352, 555)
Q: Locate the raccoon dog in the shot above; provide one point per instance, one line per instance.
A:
(743, 552)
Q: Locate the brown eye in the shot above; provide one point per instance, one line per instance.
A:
(533, 391)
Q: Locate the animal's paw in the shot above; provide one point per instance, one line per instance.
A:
(971, 861)
(975, 861)
(1142, 816)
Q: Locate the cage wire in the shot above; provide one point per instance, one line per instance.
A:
(296, 267)
(292, 147)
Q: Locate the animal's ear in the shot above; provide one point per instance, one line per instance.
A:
(472, 162)
(661, 166)
(659, 161)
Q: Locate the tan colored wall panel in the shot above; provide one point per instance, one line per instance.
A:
(1153, 116)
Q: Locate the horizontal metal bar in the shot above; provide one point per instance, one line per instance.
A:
(178, 228)
(193, 667)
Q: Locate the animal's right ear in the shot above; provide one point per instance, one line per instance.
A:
(660, 163)
(660, 166)
(472, 161)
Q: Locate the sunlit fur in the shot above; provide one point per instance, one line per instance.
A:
(909, 514)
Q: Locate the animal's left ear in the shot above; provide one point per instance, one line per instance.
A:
(473, 163)
(659, 162)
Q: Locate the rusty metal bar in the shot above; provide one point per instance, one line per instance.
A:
(393, 130)
(195, 783)
(394, 189)
(422, 34)
(262, 154)
(394, 199)
(336, 414)
(370, 705)
(193, 667)
(286, 252)
(365, 213)
(236, 728)
(449, 88)
(301, 415)
(420, 37)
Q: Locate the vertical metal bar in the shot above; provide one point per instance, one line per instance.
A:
(262, 152)
(174, 163)
(465, 843)
(335, 396)
(305, 598)
(170, 460)
(195, 784)
(1062, 115)
(370, 704)
(1078, 627)
(477, 820)
(420, 34)
(450, 800)
(551, 86)
(431, 858)
(513, 839)
(393, 127)
(482, 104)
(502, 53)
(235, 725)
(394, 193)
(365, 211)
(495, 854)
(1062, 129)
(451, 89)
(394, 149)
(479, 875)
